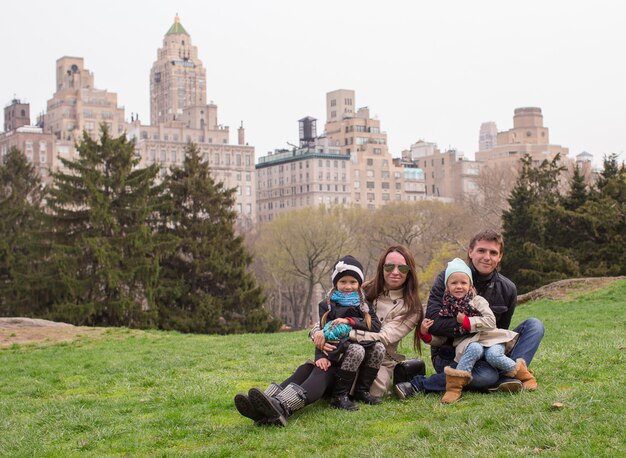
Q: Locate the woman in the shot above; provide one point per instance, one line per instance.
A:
(394, 294)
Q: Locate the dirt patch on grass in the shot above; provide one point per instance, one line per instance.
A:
(35, 331)
(565, 288)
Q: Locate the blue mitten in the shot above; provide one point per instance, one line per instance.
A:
(336, 331)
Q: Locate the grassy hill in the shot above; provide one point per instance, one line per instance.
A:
(134, 393)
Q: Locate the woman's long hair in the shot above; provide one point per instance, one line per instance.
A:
(410, 289)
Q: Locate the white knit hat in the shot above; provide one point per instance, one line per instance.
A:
(458, 265)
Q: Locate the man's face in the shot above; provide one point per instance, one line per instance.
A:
(485, 256)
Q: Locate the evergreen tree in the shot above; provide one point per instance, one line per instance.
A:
(105, 252)
(578, 192)
(603, 252)
(23, 284)
(534, 256)
(205, 285)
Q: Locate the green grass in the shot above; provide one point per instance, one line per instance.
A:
(168, 394)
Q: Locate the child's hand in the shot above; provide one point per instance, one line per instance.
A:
(323, 363)
(460, 318)
(425, 326)
(341, 321)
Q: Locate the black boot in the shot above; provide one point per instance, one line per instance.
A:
(276, 409)
(343, 383)
(246, 408)
(404, 390)
(367, 375)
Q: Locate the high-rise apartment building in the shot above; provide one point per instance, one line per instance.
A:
(528, 136)
(177, 78)
(307, 176)
(179, 114)
(488, 136)
(37, 145)
(375, 178)
(448, 175)
(78, 105)
(16, 115)
(348, 165)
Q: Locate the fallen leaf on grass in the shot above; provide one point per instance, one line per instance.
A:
(557, 405)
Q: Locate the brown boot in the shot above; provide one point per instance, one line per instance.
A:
(521, 373)
(455, 381)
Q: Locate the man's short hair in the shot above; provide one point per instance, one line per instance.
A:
(488, 235)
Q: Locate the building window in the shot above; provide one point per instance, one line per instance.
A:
(370, 162)
(370, 185)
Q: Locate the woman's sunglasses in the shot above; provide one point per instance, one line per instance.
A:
(403, 268)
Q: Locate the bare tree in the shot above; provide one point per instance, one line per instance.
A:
(301, 247)
(494, 184)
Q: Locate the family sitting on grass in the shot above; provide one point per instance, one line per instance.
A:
(361, 324)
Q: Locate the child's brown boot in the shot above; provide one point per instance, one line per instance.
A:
(521, 373)
(455, 381)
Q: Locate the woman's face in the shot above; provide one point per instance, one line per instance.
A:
(394, 279)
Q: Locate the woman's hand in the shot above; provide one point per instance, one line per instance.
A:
(321, 344)
(460, 318)
(425, 326)
(323, 363)
(341, 321)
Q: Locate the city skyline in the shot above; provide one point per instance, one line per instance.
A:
(428, 72)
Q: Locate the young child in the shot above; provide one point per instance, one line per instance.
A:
(346, 308)
(479, 336)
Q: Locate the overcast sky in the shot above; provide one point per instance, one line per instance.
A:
(432, 70)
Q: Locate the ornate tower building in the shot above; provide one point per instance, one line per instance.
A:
(177, 78)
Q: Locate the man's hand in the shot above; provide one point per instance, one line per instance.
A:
(323, 363)
(321, 344)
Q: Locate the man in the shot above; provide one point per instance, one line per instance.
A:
(484, 255)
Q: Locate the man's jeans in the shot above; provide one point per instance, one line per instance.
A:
(483, 375)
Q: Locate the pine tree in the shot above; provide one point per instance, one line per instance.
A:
(603, 252)
(205, 285)
(104, 249)
(534, 256)
(23, 285)
(578, 192)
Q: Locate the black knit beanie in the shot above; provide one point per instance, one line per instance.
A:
(348, 265)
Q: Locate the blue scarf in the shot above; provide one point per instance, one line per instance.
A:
(346, 299)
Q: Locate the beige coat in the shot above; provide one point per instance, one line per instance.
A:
(485, 331)
(395, 326)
